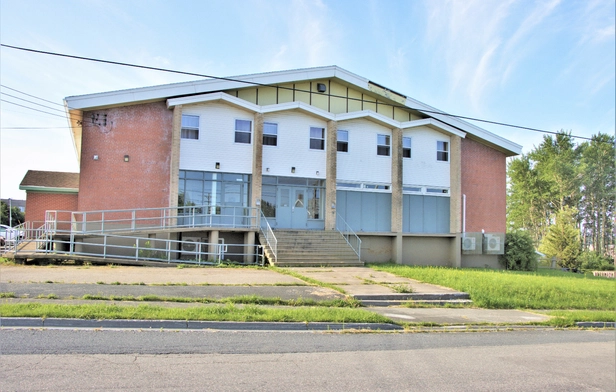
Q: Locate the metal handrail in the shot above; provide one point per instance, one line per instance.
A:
(138, 219)
(349, 235)
(144, 249)
(270, 238)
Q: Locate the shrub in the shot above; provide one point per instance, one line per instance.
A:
(594, 261)
(520, 252)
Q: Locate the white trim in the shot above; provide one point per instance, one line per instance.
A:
(370, 114)
(220, 96)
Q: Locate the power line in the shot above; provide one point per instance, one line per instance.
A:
(29, 95)
(282, 87)
(32, 102)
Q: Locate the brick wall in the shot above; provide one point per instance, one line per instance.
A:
(484, 182)
(143, 132)
(39, 202)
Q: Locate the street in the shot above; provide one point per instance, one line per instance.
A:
(65, 359)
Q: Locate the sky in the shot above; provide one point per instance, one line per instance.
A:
(548, 64)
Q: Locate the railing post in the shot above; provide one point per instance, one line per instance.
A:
(133, 220)
(104, 247)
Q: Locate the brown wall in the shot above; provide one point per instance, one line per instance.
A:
(484, 182)
(143, 132)
(38, 202)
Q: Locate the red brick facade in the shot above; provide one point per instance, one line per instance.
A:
(143, 132)
(39, 202)
(484, 182)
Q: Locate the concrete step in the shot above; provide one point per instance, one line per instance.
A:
(435, 299)
(377, 303)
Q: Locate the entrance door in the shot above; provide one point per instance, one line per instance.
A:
(291, 212)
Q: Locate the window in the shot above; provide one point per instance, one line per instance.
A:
(442, 151)
(270, 134)
(383, 145)
(190, 127)
(317, 138)
(406, 147)
(242, 131)
(343, 141)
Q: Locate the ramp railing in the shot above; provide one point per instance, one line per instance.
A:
(349, 235)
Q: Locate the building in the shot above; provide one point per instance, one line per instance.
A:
(312, 148)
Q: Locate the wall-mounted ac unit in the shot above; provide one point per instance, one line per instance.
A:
(468, 243)
(189, 244)
(493, 243)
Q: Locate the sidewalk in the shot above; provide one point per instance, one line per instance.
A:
(70, 283)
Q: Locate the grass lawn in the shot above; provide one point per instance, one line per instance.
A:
(495, 289)
(206, 313)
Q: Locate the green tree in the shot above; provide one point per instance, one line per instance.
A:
(16, 214)
(562, 239)
(597, 206)
(520, 252)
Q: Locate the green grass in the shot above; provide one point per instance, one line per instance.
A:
(227, 312)
(568, 318)
(242, 299)
(307, 279)
(496, 289)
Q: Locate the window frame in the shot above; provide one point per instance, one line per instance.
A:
(409, 148)
(340, 143)
(320, 140)
(242, 132)
(380, 146)
(271, 136)
(445, 151)
(189, 129)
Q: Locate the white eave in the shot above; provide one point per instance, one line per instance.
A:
(191, 92)
(47, 189)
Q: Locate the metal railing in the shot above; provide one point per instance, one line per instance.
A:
(132, 220)
(349, 235)
(270, 238)
(109, 246)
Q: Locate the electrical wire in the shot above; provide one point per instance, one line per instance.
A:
(251, 83)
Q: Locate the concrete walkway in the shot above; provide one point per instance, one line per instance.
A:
(70, 283)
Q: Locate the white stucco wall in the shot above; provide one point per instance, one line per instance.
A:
(422, 168)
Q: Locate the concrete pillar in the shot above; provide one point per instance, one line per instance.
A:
(213, 247)
(331, 175)
(174, 170)
(249, 245)
(455, 200)
(257, 166)
(396, 193)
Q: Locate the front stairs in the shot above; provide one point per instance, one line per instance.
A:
(311, 248)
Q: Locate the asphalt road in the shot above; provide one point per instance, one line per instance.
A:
(63, 359)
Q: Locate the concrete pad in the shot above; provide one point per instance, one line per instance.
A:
(458, 316)
(147, 275)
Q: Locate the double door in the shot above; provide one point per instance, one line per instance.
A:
(291, 211)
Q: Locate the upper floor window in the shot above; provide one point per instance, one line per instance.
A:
(343, 141)
(406, 147)
(243, 130)
(190, 127)
(383, 144)
(442, 151)
(317, 138)
(270, 134)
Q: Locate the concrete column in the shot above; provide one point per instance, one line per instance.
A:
(174, 170)
(249, 244)
(213, 247)
(257, 162)
(396, 192)
(331, 175)
(455, 201)
(396, 181)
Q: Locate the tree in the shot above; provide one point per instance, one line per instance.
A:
(562, 240)
(520, 252)
(16, 215)
(597, 205)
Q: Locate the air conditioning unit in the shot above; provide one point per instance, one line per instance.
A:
(468, 243)
(189, 244)
(493, 243)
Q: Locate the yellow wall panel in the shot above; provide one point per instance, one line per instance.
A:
(267, 96)
(337, 105)
(285, 93)
(369, 103)
(337, 89)
(354, 104)
(302, 92)
(320, 101)
(248, 94)
(384, 109)
(401, 115)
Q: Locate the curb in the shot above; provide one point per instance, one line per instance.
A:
(596, 324)
(191, 325)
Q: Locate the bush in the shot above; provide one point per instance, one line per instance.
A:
(593, 261)
(520, 252)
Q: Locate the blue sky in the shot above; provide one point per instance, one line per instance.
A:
(541, 64)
